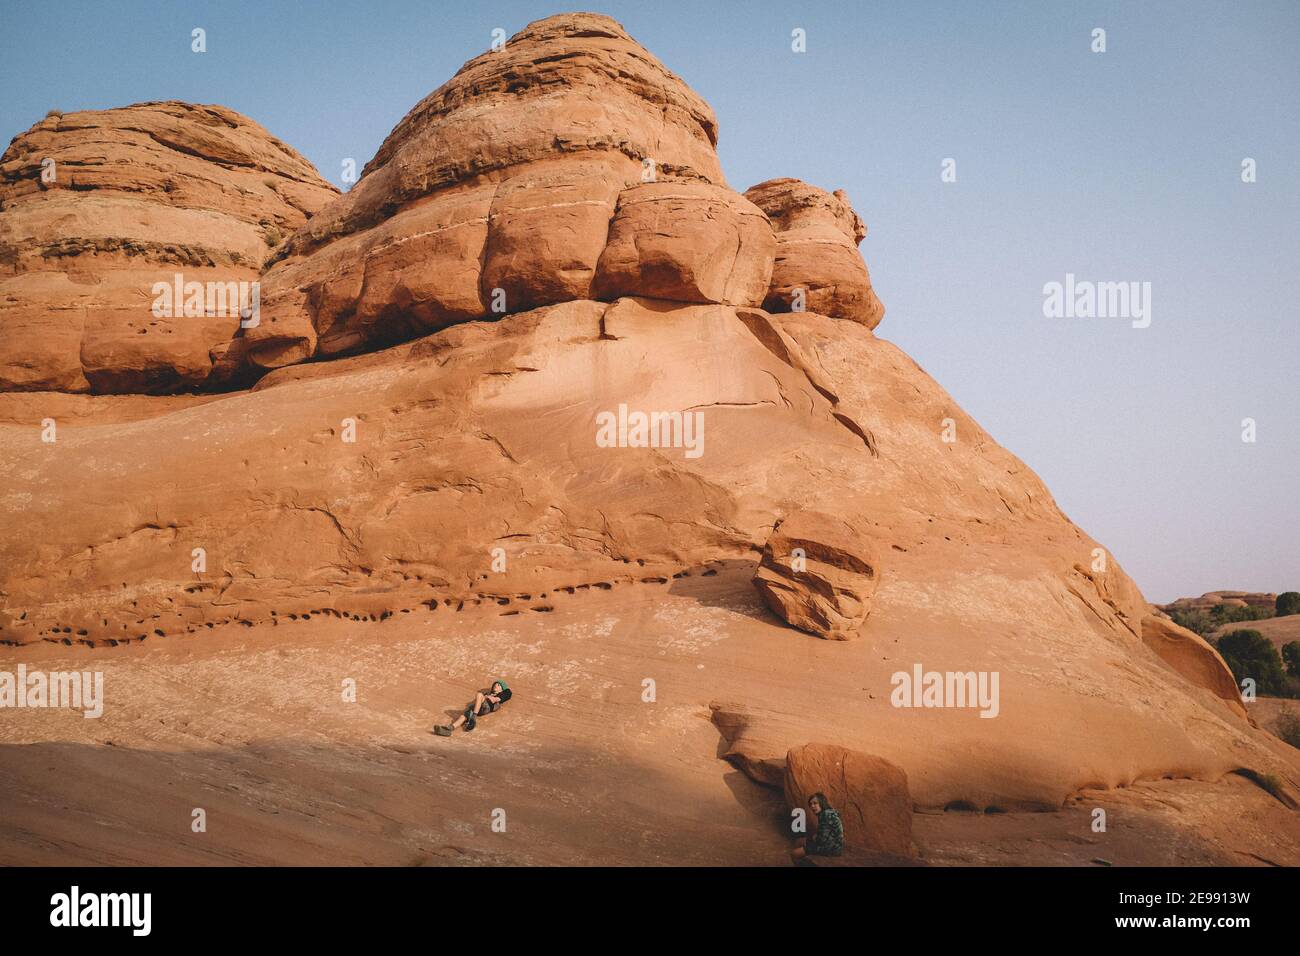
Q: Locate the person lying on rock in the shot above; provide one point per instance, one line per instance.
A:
(827, 839)
(485, 702)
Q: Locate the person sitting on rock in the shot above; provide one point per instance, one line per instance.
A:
(828, 838)
(484, 703)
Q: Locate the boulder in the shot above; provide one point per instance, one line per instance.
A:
(870, 793)
(818, 267)
(687, 242)
(818, 573)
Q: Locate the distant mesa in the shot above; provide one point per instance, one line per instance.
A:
(1211, 599)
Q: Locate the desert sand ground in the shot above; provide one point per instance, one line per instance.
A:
(249, 724)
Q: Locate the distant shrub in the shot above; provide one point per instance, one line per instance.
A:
(1205, 623)
(54, 114)
(1197, 621)
(1227, 614)
(1288, 727)
(1288, 602)
(273, 236)
(1251, 654)
(1272, 783)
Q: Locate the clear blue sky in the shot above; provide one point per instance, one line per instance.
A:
(1116, 166)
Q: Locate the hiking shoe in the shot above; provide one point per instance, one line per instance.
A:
(442, 730)
(469, 724)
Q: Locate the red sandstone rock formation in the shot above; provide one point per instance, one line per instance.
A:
(98, 206)
(818, 267)
(456, 304)
(870, 794)
(819, 573)
(1211, 599)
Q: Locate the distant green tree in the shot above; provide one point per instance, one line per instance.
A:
(1251, 654)
(1288, 602)
(1206, 623)
(1291, 657)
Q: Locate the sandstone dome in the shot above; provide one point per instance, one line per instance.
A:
(98, 205)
